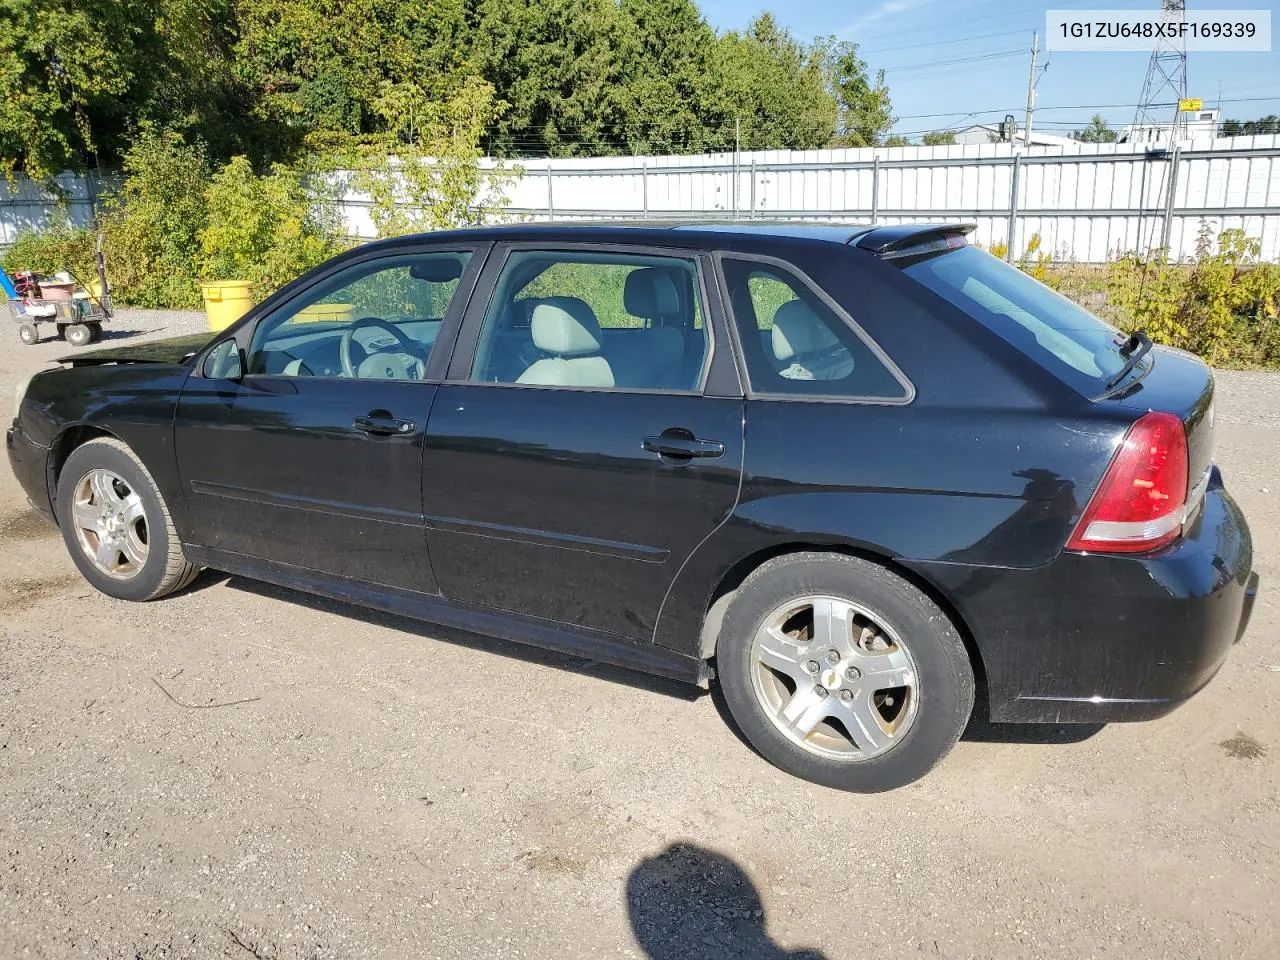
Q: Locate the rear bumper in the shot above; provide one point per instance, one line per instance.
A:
(1097, 639)
(29, 462)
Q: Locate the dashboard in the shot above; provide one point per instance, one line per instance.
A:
(317, 346)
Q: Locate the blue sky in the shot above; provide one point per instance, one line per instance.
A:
(918, 43)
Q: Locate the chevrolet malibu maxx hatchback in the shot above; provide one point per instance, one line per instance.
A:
(853, 475)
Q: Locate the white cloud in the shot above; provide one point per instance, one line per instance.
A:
(881, 11)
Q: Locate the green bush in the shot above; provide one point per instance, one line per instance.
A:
(58, 248)
(263, 229)
(1222, 306)
(176, 222)
(151, 232)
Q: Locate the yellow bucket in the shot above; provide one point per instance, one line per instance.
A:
(325, 313)
(226, 301)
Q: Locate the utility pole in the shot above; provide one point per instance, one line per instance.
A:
(1031, 88)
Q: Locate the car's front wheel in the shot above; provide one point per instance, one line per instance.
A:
(841, 672)
(116, 524)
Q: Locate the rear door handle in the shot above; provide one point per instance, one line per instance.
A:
(683, 445)
(382, 424)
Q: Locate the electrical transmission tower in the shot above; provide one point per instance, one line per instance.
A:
(1166, 79)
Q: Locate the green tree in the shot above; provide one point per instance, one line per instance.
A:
(1248, 128)
(668, 74)
(153, 228)
(1096, 132)
(275, 80)
(59, 59)
(556, 65)
(771, 87)
(425, 174)
(265, 229)
(864, 112)
(939, 138)
(80, 76)
(896, 140)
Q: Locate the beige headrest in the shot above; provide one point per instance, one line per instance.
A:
(798, 331)
(565, 327)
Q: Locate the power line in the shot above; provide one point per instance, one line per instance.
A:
(948, 23)
(1076, 106)
(619, 136)
(950, 41)
(996, 54)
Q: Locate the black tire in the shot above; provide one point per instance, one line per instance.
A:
(29, 334)
(95, 332)
(62, 331)
(944, 672)
(166, 568)
(78, 334)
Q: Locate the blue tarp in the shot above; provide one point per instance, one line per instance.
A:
(7, 285)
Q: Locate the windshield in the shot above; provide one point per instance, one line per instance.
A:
(1064, 338)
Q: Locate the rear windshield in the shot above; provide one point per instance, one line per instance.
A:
(1065, 339)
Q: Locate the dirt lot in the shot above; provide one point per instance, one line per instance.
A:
(384, 789)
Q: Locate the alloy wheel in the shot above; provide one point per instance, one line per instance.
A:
(834, 678)
(110, 524)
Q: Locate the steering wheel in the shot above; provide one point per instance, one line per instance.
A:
(404, 360)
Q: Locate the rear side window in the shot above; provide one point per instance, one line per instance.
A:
(1062, 337)
(795, 343)
(594, 320)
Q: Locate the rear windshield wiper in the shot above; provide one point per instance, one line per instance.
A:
(1133, 350)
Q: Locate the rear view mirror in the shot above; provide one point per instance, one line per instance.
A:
(436, 269)
(224, 362)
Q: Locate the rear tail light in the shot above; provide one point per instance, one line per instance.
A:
(1141, 503)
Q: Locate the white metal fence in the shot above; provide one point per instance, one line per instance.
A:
(1086, 202)
(26, 205)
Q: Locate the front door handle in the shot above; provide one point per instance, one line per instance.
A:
(680, 444)
(382, 424)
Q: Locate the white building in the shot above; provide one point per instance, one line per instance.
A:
(1201, 125)
(990, 133)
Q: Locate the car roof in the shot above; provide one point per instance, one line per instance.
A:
(661, 233)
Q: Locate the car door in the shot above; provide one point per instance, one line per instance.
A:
(576, 456)
(300, 441)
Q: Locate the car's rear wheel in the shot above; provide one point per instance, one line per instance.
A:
(841, 672)
(116, 524)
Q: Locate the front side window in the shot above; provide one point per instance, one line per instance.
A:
(376, 320)
(594, 320)
(795, 343)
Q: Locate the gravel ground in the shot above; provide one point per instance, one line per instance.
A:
(365, 786)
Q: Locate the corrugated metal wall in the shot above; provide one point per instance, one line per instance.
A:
(1087, 201)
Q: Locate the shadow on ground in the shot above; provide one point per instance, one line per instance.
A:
(982, 730)
(506, 648)
(115, 333)
(691, 902)
(979, 730)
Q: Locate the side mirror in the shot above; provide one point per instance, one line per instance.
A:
(225, 362)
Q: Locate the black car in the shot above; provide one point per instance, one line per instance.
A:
(851, 474)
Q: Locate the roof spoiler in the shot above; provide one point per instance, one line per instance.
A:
(910, 239)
